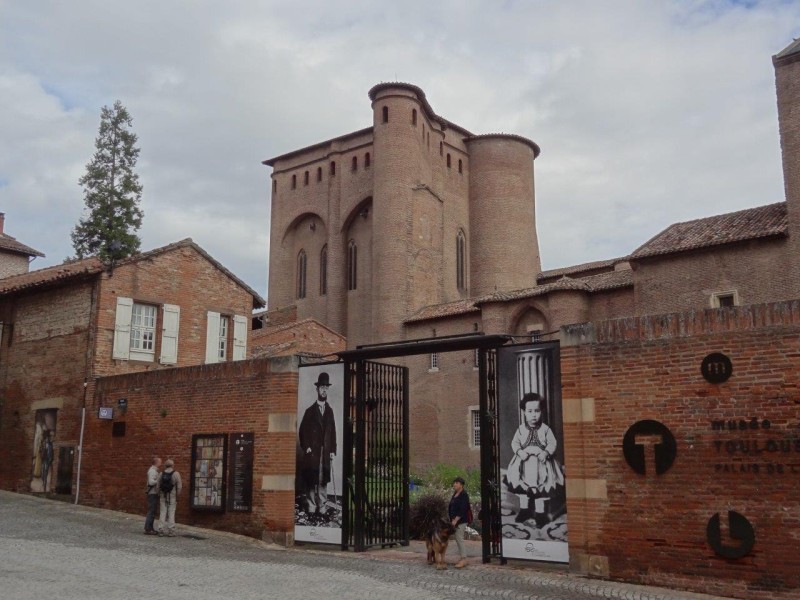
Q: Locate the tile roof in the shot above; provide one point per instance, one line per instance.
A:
(12, 245)
(91, 266)
(748, 224)
(592, 283)
(270, 329)
(590, 266)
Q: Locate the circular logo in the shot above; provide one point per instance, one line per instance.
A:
(739, 528)
(716, 368)
(634, 450)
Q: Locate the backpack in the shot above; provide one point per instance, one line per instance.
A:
(166, 483)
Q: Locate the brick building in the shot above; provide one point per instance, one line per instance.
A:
(401, 231)
(66, 326)
(15, 257)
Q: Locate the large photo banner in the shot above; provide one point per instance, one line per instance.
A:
(534, 510)
(318, 479)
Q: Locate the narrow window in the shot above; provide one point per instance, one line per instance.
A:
(423, 132)
(333, 168)
(724, 299)
(224, 327)
(477, 359)
(441, 148)
(352, 265)
(143, 328)
(459, 166)
(434, 362)
(305, 177)
(461, 256)
(274, 185)
(385, 114)
(301, 274)
(536, 335)
(294, 182)
(414, 117)
(448, 160)
(475, 421)
(367, 161)
(319, 173)
(355, 163)
(323, 271)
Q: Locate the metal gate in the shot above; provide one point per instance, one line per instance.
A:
(375, 462)
(490, 516)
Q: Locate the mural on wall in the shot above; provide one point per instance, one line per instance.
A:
(43, 452)
(318, 481)
(534, 512)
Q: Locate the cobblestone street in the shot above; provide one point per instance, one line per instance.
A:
(51, 549)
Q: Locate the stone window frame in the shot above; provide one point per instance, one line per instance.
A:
(718, 299)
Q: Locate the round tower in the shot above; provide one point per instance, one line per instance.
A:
(397, 162)
(504, 249)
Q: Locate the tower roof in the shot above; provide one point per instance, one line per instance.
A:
(789, 54)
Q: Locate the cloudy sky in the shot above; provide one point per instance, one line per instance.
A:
(647, 112)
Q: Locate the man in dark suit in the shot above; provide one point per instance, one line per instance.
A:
(318, 446)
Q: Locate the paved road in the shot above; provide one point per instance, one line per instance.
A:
(51, 549)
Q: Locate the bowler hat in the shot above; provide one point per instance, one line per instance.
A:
(323, 379)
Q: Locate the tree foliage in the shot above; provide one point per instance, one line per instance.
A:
(111, 190)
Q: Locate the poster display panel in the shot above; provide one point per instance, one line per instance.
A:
(209, 457)
(318, 479)
(240, 485)
(533, 506)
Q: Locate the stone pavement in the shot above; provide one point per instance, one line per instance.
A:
(51, 549)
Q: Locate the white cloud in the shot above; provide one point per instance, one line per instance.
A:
(647, 112)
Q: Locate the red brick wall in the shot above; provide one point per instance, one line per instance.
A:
(303, 337)
(223, 398)
(652, 529)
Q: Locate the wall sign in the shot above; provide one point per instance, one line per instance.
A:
(665, 451)
(105, 412)
(209, 454)
(240, 498)
(716, 368)
(739, 528)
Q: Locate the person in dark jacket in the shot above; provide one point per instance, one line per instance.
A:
(458, 511)
(318, 447)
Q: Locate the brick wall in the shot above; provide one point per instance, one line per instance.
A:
(651, 529)
(303, 337)
(165, 408)
(12, 263)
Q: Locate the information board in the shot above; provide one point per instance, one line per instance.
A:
(240, 486)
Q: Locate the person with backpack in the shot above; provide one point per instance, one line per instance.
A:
(152, 496)
(169, 488)
(460, 514)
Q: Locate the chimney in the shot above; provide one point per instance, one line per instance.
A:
(2, 222)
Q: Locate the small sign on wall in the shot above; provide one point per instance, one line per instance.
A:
(105, 412)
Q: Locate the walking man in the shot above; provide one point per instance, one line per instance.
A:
(318, 444)
(169, 489)
(152, 496)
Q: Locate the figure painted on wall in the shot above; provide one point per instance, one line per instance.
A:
(534, 473)
(43, 450)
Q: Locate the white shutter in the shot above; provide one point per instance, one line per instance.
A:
(212, 338)
(122, 329)
(239, 337)
(169, 334)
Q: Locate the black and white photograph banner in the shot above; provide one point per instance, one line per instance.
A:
(534, 512)
(318, 479)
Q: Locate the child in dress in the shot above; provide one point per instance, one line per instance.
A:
(533, 472)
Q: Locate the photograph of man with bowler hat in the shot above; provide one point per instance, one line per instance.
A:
(317, 439)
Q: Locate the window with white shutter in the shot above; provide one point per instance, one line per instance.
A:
(122, 329)
(169, 334)
(240, 337)
(212, 337)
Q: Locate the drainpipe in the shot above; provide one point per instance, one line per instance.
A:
(80, 447)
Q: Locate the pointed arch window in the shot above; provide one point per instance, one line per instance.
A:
(355, 163)
(305, 178)
(294, 182)
(333, 168)
(461, 261)
(301, 274)
(448, 160)
(319, 173)
(323, 271)
(367, 160)
(460, 168)
(414, 117)
(352, 265)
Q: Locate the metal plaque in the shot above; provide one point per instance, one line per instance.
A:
(634, 451)
(716, 368)
(739, 528)
(105, 412)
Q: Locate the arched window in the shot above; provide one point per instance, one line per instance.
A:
(423, 132)
(355, 163)
(294, 182)
(367, 161)
(319, 173)
(414, 117)
(323, 271)
(352, 265)
(333, 168)
(301, 274)
(385, 114)
(441, 148)
(448, 160)
(274, 185)
(305, 178)
(459, 166)
(461, 261)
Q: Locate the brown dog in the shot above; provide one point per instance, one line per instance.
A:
(436, 540)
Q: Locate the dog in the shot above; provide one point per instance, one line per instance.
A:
(436, 539)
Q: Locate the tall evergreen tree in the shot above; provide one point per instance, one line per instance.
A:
(111, 191)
